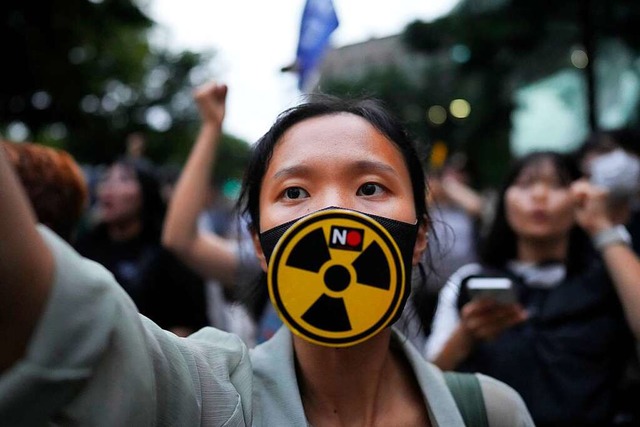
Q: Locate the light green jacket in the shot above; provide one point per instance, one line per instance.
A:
(94, 361)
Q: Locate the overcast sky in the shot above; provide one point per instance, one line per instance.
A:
(254, 39)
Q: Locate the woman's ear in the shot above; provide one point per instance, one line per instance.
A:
(258, 249)
(421, 241)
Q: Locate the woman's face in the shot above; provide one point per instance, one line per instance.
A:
(119, 195)
(538, 205)
(336, 160)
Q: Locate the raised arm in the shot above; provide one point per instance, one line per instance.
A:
(212, 256)
(622, 263)
(26, 268)
(463, 195)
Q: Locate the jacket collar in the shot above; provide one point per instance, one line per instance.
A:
(276, 393)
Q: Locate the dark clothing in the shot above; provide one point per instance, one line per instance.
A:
(161, 286)
(633, 226)
(567, 359)
(127, 260)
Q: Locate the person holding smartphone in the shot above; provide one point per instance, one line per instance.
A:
(562, 344)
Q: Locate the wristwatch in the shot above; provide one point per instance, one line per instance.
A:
(617, 234)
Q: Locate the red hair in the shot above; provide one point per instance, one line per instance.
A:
(54, 183)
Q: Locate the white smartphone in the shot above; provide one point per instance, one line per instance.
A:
(499, 289)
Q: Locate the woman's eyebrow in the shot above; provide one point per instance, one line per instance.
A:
(296, 170)
(357, 166)
(373, 166)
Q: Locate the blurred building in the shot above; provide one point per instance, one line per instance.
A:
(550, 113)
(354, 61)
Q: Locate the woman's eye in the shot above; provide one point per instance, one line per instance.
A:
(295, 193)
(369, 189)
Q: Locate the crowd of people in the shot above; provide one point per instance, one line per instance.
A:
(173, 322)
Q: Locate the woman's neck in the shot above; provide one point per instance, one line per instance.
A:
(359, 385)
(126, 230)
(540, 250)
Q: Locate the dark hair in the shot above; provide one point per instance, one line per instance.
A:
(627, 138)
(604, 141)
(600, 142)
(374, 112)
(499, 245)
(371, 110)
(153, 207)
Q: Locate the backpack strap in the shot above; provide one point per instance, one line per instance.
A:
(467, 393)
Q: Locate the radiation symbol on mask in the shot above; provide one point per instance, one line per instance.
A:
(336, 278)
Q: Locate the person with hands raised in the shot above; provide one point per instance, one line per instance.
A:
(613, 242)
(224, 261)
(564, 342)
(210, 255)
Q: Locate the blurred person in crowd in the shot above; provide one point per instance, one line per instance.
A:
(136, 149)
(456, 209)
(168, 175)
(126, 240)
(102, 363)
(227, 261)
(54, 183)
(610, 159)
(564, 342)
(225, 307)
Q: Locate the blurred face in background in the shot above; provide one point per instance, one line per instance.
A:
(538, 204)
(119, 195)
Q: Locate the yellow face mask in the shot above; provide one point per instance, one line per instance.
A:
(337, 277)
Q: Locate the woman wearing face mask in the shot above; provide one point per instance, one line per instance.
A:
(609, 159)
(81, 347)
(564, 343)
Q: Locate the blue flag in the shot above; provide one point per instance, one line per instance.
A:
(319, 20)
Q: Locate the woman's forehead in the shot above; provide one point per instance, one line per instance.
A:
(540, 167)
(328, 125)
(343, 133)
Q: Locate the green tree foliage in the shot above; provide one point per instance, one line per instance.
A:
(439, 84)
(510, 43)
(391, 85)
(82, 75)
(482, 52)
